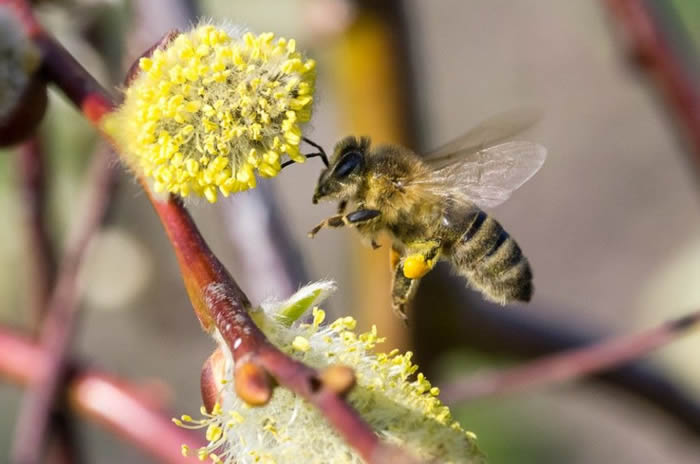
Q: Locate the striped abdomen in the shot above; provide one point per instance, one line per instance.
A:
(492, 261)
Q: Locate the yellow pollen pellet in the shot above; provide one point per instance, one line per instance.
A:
(415, 266)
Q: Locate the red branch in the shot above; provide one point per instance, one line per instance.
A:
(57, 330)
(118, 406)
(60, 67)
(32, 169)
(568, 365)
(43, 263)
(218, 301)
(653, 52)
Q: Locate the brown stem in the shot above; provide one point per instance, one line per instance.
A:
(61, 314)
(218, 301)
(654, 53)
(221, 305)
(64, 447)
(42, 260)
(102, 398)
(568, 365)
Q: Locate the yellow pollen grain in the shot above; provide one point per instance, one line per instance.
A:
(302, 344)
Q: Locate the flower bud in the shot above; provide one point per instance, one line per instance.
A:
(212, 378)
(253, 383)
(340, 379)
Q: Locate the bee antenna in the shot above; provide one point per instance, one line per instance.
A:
(321, 154)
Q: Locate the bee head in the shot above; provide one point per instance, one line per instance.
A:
(343, 177)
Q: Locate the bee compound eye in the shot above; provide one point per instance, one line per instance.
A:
(347, 164)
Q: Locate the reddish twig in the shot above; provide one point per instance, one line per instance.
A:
(653, 52)
(118, 406)
(32, 169)
(43, 263)
(216, 298)
(57, 330)
(221, 305)
(568, 365)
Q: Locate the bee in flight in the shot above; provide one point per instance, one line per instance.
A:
(432, 206)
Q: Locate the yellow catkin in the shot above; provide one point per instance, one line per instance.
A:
(400, 404)
(211, 111)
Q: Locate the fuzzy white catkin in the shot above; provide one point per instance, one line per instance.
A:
(401, 408)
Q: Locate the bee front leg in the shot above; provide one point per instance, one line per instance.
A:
(361, 216)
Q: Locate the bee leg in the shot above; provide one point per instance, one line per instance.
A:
(342, 205)
(421, 258)
(402, 290)
(352, 219)
(394, 258)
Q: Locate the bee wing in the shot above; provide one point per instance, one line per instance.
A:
(491, 131)
(488, 177)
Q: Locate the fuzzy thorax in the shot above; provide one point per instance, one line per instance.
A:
(210, 111)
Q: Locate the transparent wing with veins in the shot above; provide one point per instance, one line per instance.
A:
(469, 169)
(493, 130)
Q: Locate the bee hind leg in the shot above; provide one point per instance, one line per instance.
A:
(421, 258)
(402, 290)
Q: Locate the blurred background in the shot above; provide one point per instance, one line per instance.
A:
(611, 224)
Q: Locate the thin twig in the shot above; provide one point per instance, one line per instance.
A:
(654, 53)
(42, 260)
(58, 327)
(217, 299)
(221, 305)
(466, 321)
(102, 398)
(568, 365)
(32, 167)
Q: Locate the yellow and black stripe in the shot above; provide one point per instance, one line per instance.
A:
(492, 261)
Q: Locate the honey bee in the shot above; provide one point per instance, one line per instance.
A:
(431, 206)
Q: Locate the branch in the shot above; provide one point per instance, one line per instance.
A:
(568, 365)
(32, 170)
(221, 305)
(61, 314)
(466, 321)
(653, 52)
(102, 398)
(218, 301)
(37, 406)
